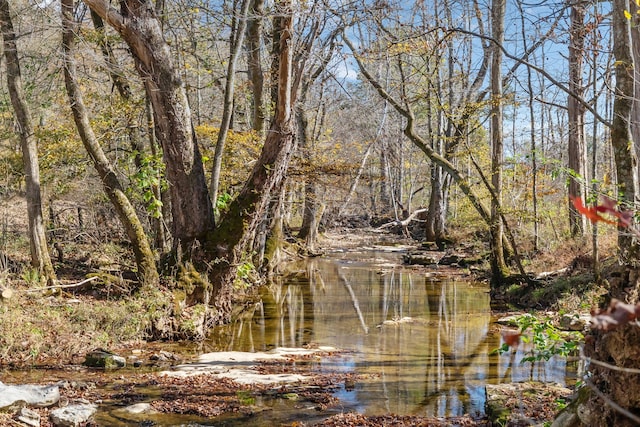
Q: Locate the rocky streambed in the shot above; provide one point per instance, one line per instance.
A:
(279, 387)
(222, 385)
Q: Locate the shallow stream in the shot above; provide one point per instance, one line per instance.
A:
(424, 339)
(421, 340)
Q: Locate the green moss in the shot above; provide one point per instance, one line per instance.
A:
(245, 398)
(273, 243)
(192, 287)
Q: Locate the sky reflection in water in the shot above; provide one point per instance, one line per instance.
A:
(426, 342)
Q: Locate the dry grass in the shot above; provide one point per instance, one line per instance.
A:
(41, 329)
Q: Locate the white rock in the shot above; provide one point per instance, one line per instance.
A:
(73, 415)
(140, 408)
(239, 366)
(33, 395)
(28, 417)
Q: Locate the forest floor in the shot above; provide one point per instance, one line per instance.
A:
(43, 330)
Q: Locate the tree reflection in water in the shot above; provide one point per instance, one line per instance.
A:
(425, 342)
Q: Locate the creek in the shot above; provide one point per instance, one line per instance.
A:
(423, 338)
(420, 341)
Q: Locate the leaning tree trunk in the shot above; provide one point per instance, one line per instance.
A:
(139, 26)
(147, 272)
(40, 258)
(238, 226)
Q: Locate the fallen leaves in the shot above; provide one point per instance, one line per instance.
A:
(352, 420)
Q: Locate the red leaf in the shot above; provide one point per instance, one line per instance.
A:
(511, 338)
(592, 212)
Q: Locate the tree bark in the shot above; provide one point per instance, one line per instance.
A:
(498, 265)
(40, 258)
(140, 27)
(617, 347)
(238, 226)
(227, 106)
(147, 272)
(576, 112)
(621, 136)
(254, 64)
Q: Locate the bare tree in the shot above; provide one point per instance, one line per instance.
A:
(576, 112)
(239, 26)
(40, 258)
(145, 259)
(237, 228)
(254, 64)
(498, 265)
(139, 25)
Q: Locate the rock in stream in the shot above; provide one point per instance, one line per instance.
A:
(29, 394)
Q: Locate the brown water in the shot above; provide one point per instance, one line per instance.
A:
(426, 339)
(422, 340)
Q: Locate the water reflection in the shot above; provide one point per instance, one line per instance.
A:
(425, 342)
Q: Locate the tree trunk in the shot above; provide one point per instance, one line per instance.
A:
(621, 136)
(436, 223)
(139, 26)
(254, 64)
(306, 141)
(576, 111)
(618, 347)
(147, 273)
(227, 106)
(40, 258)
(122, 86)
(498, 266)
(157, 221)
(309, 228)
(238, 226)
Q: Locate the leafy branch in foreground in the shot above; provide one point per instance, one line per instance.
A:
(547, 340)
(618, 313)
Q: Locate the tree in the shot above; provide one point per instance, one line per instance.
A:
(139, 26)
(254, 64)
(576, 112)
(617, 347)
(406, 110)
(498, 265)
(237, 37)
(308, 74)
(621, 135)
(40, 258)
(238, 226)
(145, 259)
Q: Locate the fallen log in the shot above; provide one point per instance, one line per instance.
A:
(404, 223)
